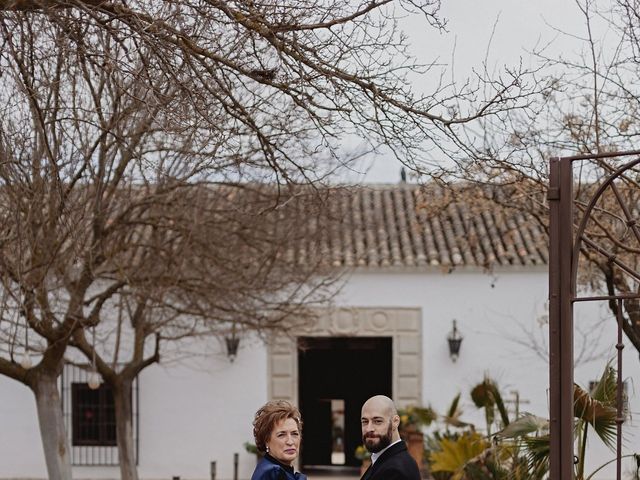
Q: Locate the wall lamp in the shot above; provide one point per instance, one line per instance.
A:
(232, 341)
(455, 340)
(232, 347)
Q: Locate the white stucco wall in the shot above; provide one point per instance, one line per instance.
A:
(199, 409)
(493, 312)
(479, 310)
(192, 412)
(487, 309)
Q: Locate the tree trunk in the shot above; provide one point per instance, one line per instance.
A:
(52, 430)
(124, 429)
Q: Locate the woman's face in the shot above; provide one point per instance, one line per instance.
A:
(284, 442)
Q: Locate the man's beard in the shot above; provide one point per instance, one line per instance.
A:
(383, 440)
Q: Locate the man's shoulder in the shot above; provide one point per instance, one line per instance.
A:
(395, 450)
(401, 457)
(398, 464)
(398, 471)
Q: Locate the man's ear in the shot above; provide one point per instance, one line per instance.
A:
(396, 421)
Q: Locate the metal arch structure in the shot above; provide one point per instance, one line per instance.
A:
(567, 239)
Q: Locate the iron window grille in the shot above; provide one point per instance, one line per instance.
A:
(93, 416)
(89, 417)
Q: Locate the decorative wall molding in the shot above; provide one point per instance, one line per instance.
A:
(403, 325)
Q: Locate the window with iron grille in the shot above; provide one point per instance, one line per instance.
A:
(89, 417)
(93, 415)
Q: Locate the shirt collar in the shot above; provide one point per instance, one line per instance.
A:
(375, 456)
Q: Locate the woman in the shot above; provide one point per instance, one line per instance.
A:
(277, 429)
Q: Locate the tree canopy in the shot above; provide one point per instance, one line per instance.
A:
(117, 118)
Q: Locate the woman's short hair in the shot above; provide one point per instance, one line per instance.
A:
(266, 418)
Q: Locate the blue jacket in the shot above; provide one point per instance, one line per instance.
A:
(270, 469)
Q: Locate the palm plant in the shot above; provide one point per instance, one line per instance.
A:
(598, 410)
(462, 453)
(595, 410)
(456, 453)
(487, 395)
(520, 449)
(504, 458)
(527, 438)
(452, 419)
(453, 427)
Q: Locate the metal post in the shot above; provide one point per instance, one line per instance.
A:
(213, 470)
(619, 394)
(235, 466)
(561, 295)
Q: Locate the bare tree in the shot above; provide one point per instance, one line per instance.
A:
(591, 106)
(197, 263)
(107, 200)
(284, 81)
(115, 115)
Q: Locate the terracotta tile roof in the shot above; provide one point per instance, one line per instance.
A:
(410, 226)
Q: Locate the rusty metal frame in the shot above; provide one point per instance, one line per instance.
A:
(565, 244)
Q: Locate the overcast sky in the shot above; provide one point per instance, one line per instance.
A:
(502, 32)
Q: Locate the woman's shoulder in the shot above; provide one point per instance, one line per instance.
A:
(267, 470)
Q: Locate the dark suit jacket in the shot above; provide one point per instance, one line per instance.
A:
(269, 468)
(394, 464)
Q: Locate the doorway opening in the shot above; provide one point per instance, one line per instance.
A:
(336, 376)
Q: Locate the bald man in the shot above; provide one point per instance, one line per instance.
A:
(390, 459)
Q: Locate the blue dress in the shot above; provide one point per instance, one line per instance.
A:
(271, 469)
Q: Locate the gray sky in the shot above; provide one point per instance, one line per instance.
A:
(498, 32)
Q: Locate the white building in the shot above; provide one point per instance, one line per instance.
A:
(413, 272)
